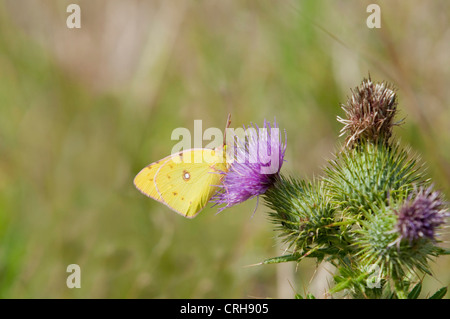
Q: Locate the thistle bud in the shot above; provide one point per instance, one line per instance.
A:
(370, 113)
(421, 215)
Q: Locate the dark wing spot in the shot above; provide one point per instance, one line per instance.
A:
(175, 193)
(182, 198)
(168, 177)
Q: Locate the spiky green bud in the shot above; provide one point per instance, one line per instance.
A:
(363, 177)
(303, 214)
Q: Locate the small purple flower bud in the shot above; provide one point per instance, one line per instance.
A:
(420, 216)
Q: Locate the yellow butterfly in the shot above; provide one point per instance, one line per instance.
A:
(183, 182)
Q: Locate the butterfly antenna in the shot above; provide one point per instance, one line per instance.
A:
(227, 125)
(256, 207)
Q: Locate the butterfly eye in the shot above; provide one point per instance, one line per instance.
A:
(186, 175)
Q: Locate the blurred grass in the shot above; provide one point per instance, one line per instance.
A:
(82, 111)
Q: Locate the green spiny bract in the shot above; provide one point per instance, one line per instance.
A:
(362, 178)
(303, 215)
(379, 261)
(378, 244)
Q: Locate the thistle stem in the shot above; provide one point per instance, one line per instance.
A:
(399, 291)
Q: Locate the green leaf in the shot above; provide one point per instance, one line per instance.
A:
(442, 251)
(439, 294)
(340, 286)
(310, 296)
(415, 292)
(298, 296)
(282, 259)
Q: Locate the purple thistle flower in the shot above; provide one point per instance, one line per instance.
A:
(256, 161)
(419, 217)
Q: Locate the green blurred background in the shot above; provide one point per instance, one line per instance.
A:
(83, 110)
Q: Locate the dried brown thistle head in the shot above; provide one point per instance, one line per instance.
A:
(370, 113)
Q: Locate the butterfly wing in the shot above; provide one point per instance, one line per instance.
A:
(145, 180)
(185, 181)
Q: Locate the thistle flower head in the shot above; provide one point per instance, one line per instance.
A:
(369, 113)
(303, 214)
(421, 215)
(377, 243)
(363, 177)
(256, 161)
